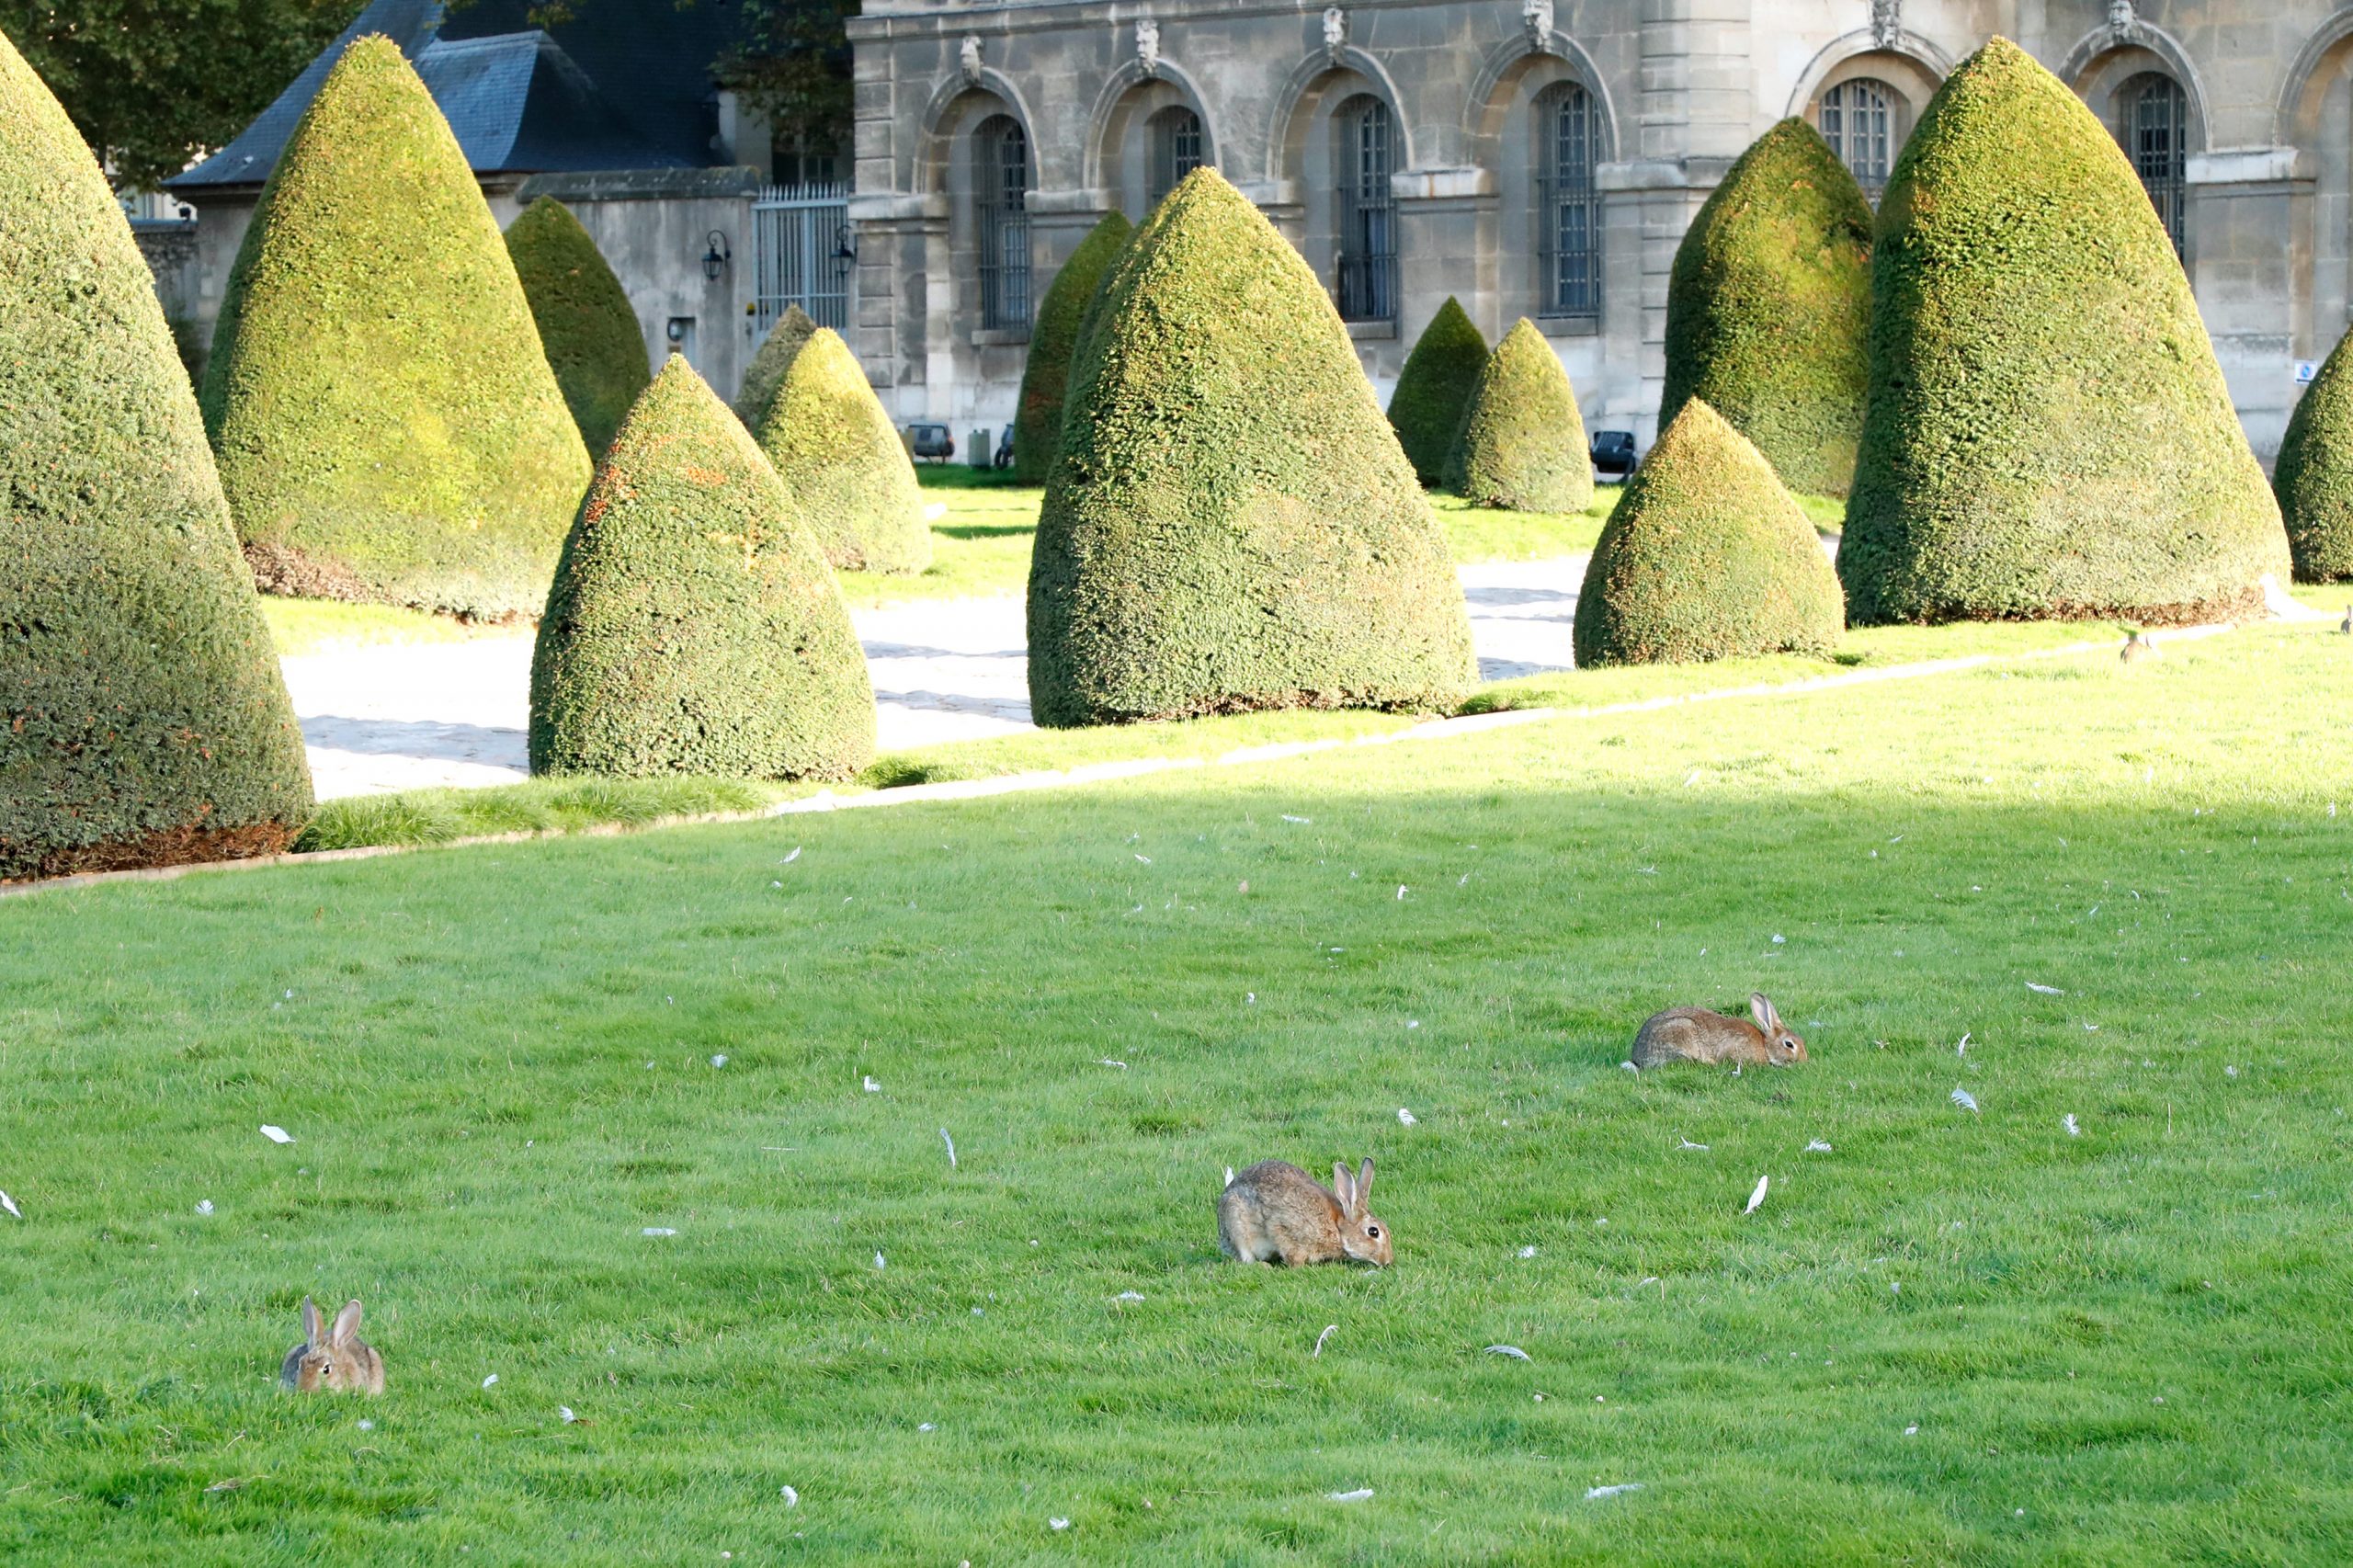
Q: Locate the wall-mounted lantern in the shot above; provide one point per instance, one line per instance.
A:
(716, 254)
(846, 245)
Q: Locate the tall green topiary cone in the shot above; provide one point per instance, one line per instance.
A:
(2314, 477)
(836, 449)
(1037, 428)
(1522, 442)
(1230, 524)
(1435, 389)
(387, 425)
(764, 377)
(142, 719)
(2047, 434)
(1769, 308)
(694, 626)
(1707, 557)
(587, 324)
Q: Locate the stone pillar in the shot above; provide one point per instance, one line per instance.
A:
(2246, 268)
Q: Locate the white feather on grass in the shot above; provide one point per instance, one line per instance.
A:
(1965, 1100)
(1514, 1351)
(10, 1205)
(2069, 1123)
(791, 858)
(1329, 1330)
(1817, 1147)
(2044, 990)
(1361, 1494)
(1756, 1199)
(872, 1087)
(878, 1261)
(1107, 1062)
(1962, 1049)
(951, 1147)
(1229, 1175)
(276, 1135)
(791, 1498)
(1688, 1144)
(203, 1206)
(1404, 1118)
(1593, 1492)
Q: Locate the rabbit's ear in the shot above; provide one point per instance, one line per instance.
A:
(310, 1329)
(1342, 1187)
(1762, 1011)
(347, 1324)
(1364, 1182)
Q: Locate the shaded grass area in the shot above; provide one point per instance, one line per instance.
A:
(1950, 1336)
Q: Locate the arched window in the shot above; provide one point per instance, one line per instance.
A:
(1857, 119)
(1365, 267)
(1175, 149)
(1000, 201)
(2155, 133)
(1568, 131)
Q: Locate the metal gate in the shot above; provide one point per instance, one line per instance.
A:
(801, 253)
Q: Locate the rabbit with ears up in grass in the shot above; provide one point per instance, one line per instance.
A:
(1275, 1212)
(334, 1360)
(1695, 1034)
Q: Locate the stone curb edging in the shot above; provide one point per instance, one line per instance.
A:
(1106, 772)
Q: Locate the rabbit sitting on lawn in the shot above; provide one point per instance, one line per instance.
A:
(1695, 1034)
(333, 1360)
(1275, 1212)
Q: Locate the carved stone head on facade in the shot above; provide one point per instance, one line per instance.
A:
(1148, 46)
(969, 60)
(1335, 33)
(1536, 16)
(1887, 22)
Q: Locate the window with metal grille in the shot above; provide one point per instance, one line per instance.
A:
(1857, 119)
(1568, 130)
(1365, 267)
(1175, 149)
(1000, 196)
(2156, 138)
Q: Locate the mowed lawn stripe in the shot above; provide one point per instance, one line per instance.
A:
(497, 1066)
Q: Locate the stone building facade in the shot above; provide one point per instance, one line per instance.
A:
(1540, 158)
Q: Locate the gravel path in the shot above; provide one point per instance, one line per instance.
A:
(406, 717)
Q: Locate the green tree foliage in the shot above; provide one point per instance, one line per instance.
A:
(142, 719)
(1434, 390)
(1769, 308)
(151, 84)
(1230, 524)
(1522, 443)
(387, 426)
(1706, 557)
(2314, 477)
(792, 63)
(694, 626)
(2047, 434)
(764, 377)
(845, 464)
(586, 325)
(1037, 426)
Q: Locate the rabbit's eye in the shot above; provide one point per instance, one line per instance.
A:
(1373, 1231)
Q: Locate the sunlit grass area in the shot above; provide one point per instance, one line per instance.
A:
(590, 1116)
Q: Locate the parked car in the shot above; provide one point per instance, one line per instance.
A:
(1613, 453)
(1004, 448)
(930, 443)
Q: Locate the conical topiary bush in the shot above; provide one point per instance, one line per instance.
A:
(2047, 434)
(1769, 308)
(2314, 477)
(694, 626)
(764, 375)
(1435, 388)
(386, 423)
(1706, 557)
(1045, 375)
(142, 719)
(833, 445)
(1230, 524)
(1522, 442)
(586, 325)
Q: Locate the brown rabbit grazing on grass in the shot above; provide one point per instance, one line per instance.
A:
(1695, 1034)
(1275, 1212)
(334, 1361)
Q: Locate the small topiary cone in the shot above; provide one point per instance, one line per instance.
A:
(587, 326)
(764, 375)
(1435, 389)
(2314, 477)
(1706, 557)
(835, 450)
(1522, 443)
(693, 626)
(1045, 375)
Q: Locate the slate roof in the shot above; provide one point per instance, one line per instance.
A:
(516, 100)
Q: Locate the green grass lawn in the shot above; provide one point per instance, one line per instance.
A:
(1950, 1336)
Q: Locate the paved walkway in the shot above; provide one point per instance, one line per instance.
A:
(407, 716)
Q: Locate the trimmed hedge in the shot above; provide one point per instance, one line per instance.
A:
(2313, 478)
(694, 626)
(2047, 434)
(1522, 443)
(1769, 308)
(387, 425)
(142, 719)
(764, 377)
(1045, 375)
(1707, 557)
(1435, 388)
(587, 326)
(1230, 524)
(843, 462)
